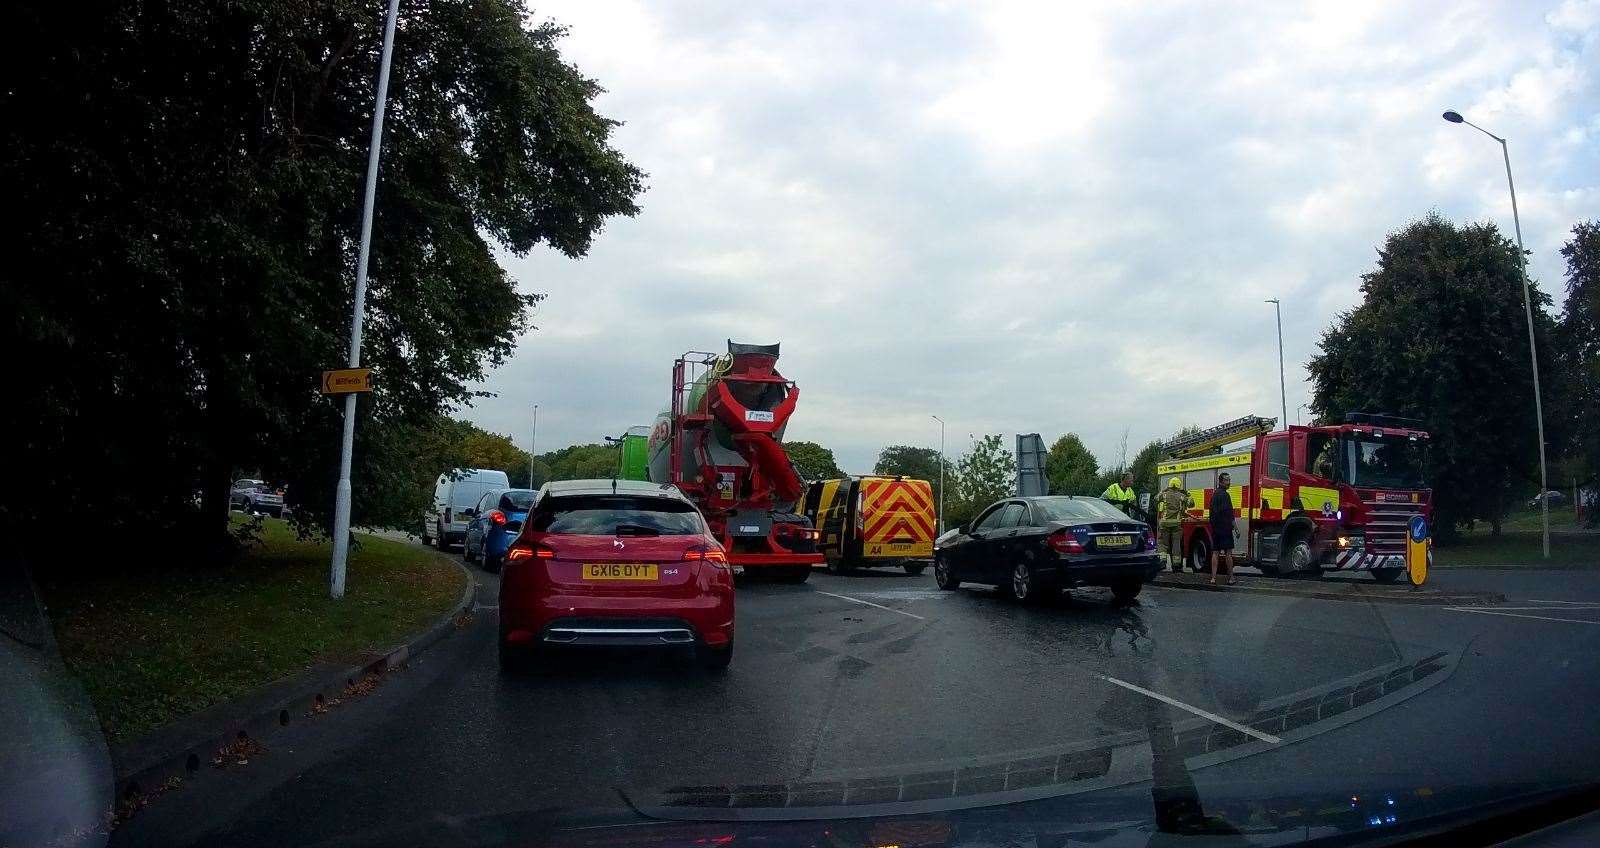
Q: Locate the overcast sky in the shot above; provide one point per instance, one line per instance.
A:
(1031, 217)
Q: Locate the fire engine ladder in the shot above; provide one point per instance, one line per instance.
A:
(1209, 441)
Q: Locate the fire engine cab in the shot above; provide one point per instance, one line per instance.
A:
(1307, 499)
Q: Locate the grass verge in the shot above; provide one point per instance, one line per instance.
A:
(1568, 549)
(154, 645)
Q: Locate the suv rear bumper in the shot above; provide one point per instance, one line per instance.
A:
(590, 620)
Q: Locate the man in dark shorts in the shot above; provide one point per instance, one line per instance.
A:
(1222, 528)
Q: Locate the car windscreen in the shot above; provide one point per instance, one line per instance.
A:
(1076, 509)
(516, 501)
(606, 515)
(1388, 463)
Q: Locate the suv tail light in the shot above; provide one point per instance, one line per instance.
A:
(712, 556)
(1064, 542)
(522, 552)
(498, 517)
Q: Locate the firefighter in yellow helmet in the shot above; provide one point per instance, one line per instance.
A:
(1172, 504)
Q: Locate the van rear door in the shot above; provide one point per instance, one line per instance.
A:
(897, 518)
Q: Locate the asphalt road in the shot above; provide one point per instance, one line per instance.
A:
(879, 675)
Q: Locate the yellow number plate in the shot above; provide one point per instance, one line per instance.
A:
(619, 571)
(1115, 542)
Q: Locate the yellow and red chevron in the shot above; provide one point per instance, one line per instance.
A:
(896, 510)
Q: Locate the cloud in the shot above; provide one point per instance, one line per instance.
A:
(1031, 217)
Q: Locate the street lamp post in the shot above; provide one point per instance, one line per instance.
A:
(1283, 393)
(533, 439)
(341, 494)
(1454, 117)
(941, 472)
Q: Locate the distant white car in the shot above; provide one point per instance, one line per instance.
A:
(454, 496)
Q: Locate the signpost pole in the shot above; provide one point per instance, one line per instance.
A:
(341, 499)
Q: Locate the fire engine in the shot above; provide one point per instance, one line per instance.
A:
(1306, 499)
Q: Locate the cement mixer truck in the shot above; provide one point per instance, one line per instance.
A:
(720, 441)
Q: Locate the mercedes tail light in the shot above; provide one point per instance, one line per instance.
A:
(1064, 542)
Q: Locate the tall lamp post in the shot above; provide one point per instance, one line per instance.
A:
(1283, 393)
(941, 472)
(533, 439)
(341, 494)
(1454, 117)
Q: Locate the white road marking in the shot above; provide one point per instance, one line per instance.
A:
(1264, 737)
(1574, 603)
(1520, 615)
(1584, 608)
(871, 604)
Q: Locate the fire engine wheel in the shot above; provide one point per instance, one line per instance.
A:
(1300, 558)
(1200, 554)
(840, 565)
(1387, 575)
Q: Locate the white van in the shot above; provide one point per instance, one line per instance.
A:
(457, 492)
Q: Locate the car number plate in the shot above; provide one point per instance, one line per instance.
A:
(1114, 542)
(620, 571)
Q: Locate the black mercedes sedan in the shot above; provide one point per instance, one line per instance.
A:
(1032, 548)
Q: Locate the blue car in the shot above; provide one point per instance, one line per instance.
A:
(493, 524)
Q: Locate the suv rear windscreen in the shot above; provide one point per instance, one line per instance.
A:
(619, 515)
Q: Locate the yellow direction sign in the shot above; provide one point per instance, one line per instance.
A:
(346, 380)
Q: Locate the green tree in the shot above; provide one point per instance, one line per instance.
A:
(581, 462)
(814, 461)
(1070, 467)
(1578, 348)
(492, 450)
(1440, 335)
(1144, 468)
(188, 250)
(984, 474)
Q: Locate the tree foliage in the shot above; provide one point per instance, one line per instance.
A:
(1440, 335)
(1143, 468)
(580, 462)
(1071, 467)
(984, 474)
(1578, 348)
(814, 461)
(193, 175)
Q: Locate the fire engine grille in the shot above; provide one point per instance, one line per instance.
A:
(1389, 523)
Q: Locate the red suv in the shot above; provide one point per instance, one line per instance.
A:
(615, 562)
